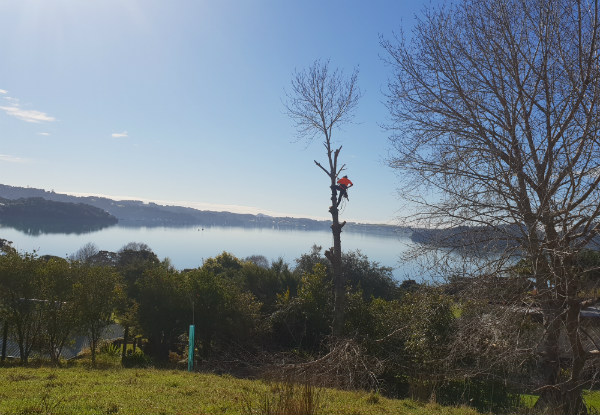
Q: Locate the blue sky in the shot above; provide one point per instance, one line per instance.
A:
(180, 101)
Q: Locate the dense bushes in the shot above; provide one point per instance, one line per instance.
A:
(47, 300)
(486, 395)
(408, 332)
(303, 321)
(223, 311)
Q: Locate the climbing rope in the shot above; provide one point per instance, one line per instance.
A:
(342, 206)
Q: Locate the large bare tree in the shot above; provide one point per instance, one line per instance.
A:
(320, 101)
(495, 107)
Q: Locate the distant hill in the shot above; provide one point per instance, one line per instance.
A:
(136, 213)
(482, 238)
(36, 215)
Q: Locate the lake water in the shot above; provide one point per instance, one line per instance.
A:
(189, 247)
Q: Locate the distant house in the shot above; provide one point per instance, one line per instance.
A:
(590, 328)
(590, 319)
(70, 351)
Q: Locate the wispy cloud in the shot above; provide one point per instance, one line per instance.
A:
(12, 159)
(27, 115)
(44, 134)
(120, 135)
(13, 108)
(32, 116)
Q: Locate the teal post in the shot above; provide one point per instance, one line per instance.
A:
(191, 349)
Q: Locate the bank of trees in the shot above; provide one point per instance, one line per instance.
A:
(457, 341)
(262, 308)
(47, 301)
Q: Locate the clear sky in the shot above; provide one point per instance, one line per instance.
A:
(181, 101)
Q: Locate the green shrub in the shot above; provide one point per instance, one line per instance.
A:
(485, 395)
(110, 349)
(137, 359)
(305, 320)
(288, 399)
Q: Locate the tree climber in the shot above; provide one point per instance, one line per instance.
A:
(343, 184)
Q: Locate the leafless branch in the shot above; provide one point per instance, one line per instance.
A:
(495, 111)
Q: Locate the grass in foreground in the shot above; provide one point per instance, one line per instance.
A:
(79, 390)
(591, 399)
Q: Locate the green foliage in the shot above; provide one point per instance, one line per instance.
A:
(289, 399)
(110, 349)
(137, 359)
(265, 283)
(132, 261)
(430, 324)
(97, 293)
(77, 390)
(306, 262)
(360, 323)
(223, 312)
(305, 320)
(20, 302)
(411, 335)
(164, 309)
(60, 315)
(289, 280)
(47, 300)
(224, 264)
(485, 395)
(234, 302)
(372, 279)
(254, 276)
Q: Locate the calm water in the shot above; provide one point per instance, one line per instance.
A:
(188, 247)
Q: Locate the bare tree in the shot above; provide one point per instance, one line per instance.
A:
(495, 108)
(320, 101)
(85, 253)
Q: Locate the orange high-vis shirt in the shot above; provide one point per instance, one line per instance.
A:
(345, 182)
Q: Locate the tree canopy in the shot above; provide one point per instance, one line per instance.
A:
(494, 109)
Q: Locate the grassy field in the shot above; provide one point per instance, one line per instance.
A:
(591, 398)
(80, 390)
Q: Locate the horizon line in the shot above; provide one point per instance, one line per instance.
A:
(218, 207)
(239, 209)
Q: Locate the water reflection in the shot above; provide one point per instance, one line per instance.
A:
(33, 227)
(188, 247)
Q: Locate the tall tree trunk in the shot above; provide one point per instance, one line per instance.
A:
(93, 337)
(125, 338)
(562, 397)
(52, 350)
(572, 398)
(23, 352)
(93, 350)
(549, 364)
(4, 339)
(321, 101)
(335, 257)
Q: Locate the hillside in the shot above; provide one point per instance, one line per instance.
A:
(137, 213)
(36, 215)
(77, 390)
